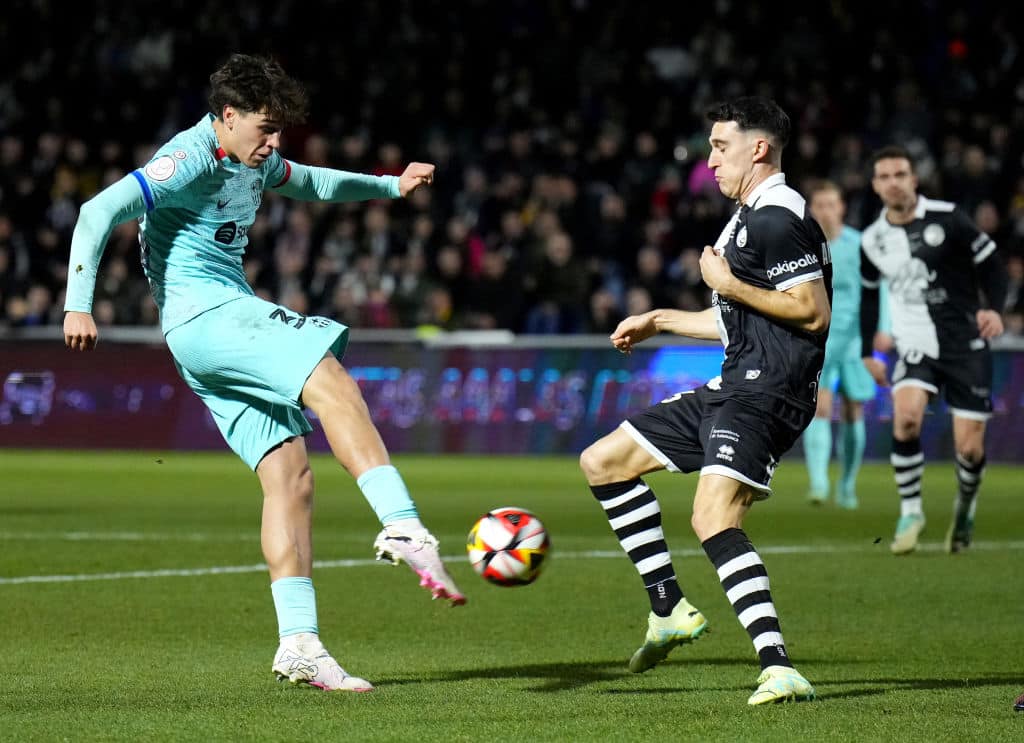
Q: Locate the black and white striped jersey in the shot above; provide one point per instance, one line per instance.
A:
(771, 242)
(932, 265)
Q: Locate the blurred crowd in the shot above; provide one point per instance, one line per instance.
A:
(569, 138)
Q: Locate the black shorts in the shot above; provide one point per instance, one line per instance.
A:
(716, 434)
(966, 379)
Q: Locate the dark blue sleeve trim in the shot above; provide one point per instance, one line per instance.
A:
(146, 192)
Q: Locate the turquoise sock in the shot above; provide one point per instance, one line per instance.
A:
(852, 439)
(384, 489)
(817, 452)
(295, 602)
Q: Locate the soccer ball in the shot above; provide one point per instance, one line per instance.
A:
(507, 546)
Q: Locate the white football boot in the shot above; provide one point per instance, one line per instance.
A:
(419, 550)
(302, 659)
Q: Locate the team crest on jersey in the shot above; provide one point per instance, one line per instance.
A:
(934, 235)
(161, 169)
(257, 193)
(180, 154)
(912, 281)
(741, 238)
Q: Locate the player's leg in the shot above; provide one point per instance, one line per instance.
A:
(744, 443)
(287, 526)
(969, 440)
(287, 541)
(264, 426)
(718, 511)
(856, 387)
(817, 440)
(968, 384)
(334, 396)
(613, 467)
(910, 400)
(852, 439)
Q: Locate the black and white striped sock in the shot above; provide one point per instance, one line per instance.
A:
(968, 476)
(908, 468)
(745, 581)
(635, 517)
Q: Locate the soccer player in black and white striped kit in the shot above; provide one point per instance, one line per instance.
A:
(936, 262)
(771, 307)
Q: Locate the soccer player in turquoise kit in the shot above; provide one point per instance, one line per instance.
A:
(257, 365)
(843, 370)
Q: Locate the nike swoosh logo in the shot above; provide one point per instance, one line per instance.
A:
(222, 204)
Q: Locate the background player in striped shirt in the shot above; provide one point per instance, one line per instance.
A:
(257, 365)
(843, 371)
(937, 264)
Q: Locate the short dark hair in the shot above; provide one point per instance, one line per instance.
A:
(754, 112)
(892, 152)
(818, 185)
(258, 85)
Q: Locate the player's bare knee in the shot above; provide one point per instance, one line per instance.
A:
(603, 462)
(593, 464)
(297, 488)
(695, 521)
(971, 452)
(905, 429)
(303, 487)
(702, 522)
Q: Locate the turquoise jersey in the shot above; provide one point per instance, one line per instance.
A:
(199, 208)
(195, 207)
(844, 332)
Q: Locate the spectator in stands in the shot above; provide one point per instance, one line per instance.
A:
(603, 156)
(559, 288)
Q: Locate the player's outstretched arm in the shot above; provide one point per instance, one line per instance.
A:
(312, 183)
(637, 328)
(119, 202)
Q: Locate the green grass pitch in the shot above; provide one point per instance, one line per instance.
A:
(133, 606)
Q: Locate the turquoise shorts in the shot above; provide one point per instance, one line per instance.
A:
(844, 371)
(248, 361)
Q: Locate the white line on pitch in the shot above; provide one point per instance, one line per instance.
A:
(782, 549)
(125, 536)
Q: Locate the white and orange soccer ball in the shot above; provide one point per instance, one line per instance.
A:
(508, 546)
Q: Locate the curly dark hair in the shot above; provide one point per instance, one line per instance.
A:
(258, 85)
(754, 112)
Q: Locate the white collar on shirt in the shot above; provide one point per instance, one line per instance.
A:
(778, 179)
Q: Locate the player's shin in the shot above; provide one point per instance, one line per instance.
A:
(853, 438)
(635, 517)
(295, 603)
(908, 469)
(745, 581)
(961, 531)
(817, 452)
(387, 494)
(968, 477)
